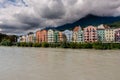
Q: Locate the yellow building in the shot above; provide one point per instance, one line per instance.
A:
(109, 35)
(77, 34)
(31, 37)
(23, 39)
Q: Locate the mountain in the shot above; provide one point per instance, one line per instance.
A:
(90, 20)
(115, 24)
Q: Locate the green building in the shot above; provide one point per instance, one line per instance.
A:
(101, 33)
(56, 36)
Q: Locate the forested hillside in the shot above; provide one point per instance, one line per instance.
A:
(115, 24)
(12, 38)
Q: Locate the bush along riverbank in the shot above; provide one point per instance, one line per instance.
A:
(72, 45)
(97, 45)
(6, 42)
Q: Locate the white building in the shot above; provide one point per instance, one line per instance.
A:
(109, 35)
(50, 35)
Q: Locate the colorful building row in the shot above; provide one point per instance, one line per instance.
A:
(102, 33)
(30, 37)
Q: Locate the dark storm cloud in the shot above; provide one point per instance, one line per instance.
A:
(54, 10)
(20, 16)
(28, 19)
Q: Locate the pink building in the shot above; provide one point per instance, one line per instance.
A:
(90, 34)
(117, 35)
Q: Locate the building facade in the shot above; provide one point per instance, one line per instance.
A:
(68, 35)
(31, 37)
(90, 34)
(19, 39)
(22, 38)
(80, 36)
(56, 36)
(50, 36)
(44, 35)
(77, 34)
(61, 37)
(117, 35)
(38, 36)
(41, 36)
(109, 35)
(101, 33)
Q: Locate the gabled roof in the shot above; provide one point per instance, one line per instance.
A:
(77, 28)
(101, 26)
(107, 27)
(53, 29)
(90, 27)
(30, 33)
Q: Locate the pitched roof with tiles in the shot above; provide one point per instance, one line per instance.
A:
(77, 28)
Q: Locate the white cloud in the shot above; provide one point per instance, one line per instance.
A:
(19, 16)
(1, 22)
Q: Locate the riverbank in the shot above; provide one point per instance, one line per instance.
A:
(97, 45)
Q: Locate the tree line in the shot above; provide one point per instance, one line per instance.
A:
(115, 24)
(72, 45)
(7, 40)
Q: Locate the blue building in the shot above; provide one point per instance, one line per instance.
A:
(68, 35)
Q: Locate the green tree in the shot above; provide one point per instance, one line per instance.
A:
(6, 42)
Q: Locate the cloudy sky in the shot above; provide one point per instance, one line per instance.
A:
(21, 16)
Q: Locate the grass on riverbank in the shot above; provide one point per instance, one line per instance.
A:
(97, 45)
(72, 45)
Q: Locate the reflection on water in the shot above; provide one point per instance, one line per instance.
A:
(58, 64)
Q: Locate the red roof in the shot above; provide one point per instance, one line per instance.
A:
(77, 28)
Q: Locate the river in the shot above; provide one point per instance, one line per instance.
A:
(58, 64)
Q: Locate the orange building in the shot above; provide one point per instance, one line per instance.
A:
(41, 36)
(61, 37)
(38, 36)
(44, 35)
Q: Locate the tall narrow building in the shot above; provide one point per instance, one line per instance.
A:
(38, 36)
(90, 34)
(77, 34)
(56, 36)
(117, 35)
(41, 36)
(50, 36)
(109, 35)
(31, 37)
(61, 37)
(68, 35)
(44, 35)
(101, 33)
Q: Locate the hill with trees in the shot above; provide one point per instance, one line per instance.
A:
(115, 24)
(5, 37)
